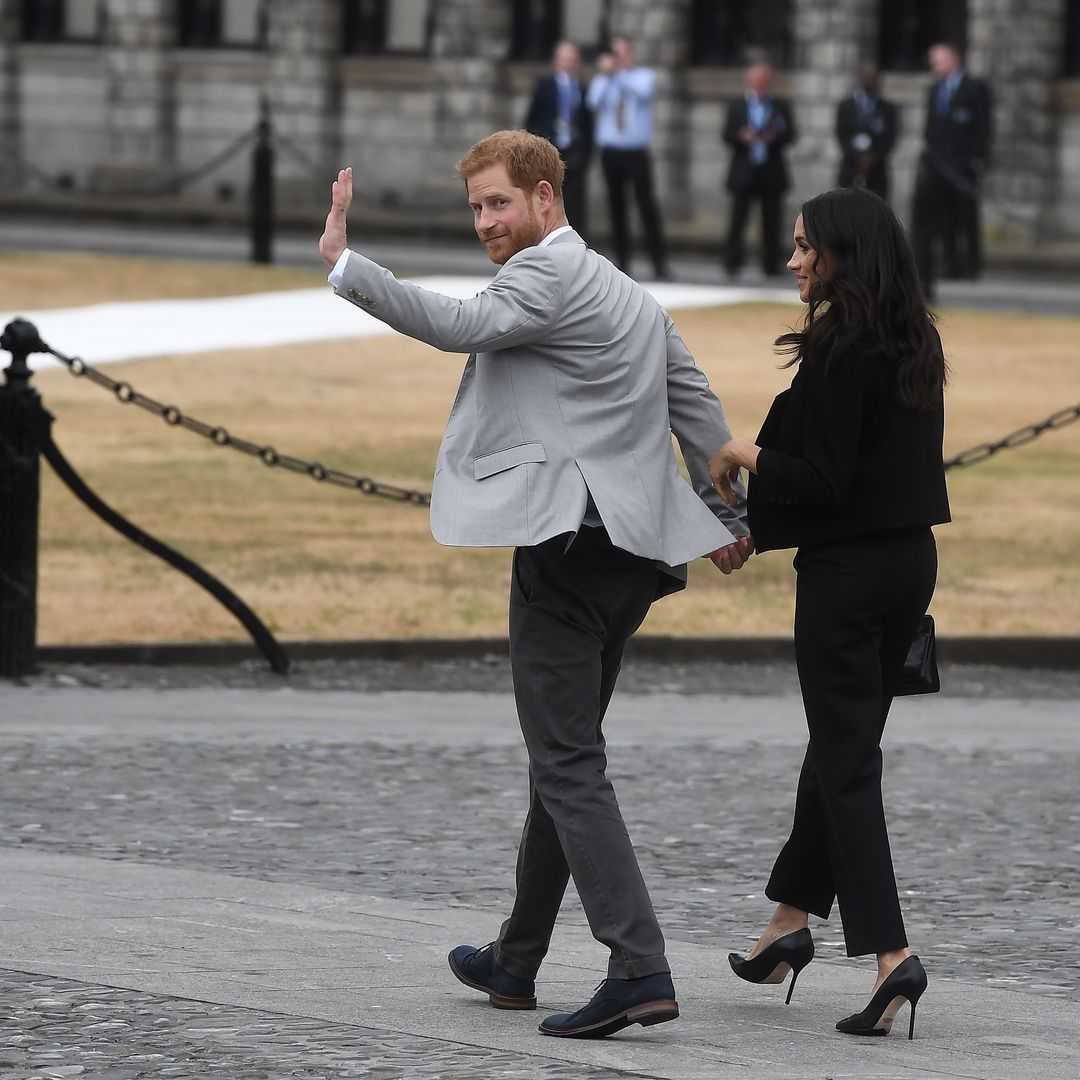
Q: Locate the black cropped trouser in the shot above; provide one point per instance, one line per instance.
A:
(858, 604)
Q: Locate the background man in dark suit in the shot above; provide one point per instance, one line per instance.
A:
(558, 113)
(954, 159)
(757, 127)
(866, 127)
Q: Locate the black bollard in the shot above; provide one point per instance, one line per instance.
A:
(262, 190)
(24, 430)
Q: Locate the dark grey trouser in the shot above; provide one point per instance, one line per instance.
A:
(571, 614)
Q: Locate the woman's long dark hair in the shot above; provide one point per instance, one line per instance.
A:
(869, 297)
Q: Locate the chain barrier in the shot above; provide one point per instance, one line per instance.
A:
(1015, 438)
(175, 184)
(172, 186)
(126, 394)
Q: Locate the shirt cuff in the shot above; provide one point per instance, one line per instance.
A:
(335, 275)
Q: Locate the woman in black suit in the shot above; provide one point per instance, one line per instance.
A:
(848, 469)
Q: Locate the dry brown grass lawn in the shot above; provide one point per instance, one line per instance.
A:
(322, 562)
(33, 281)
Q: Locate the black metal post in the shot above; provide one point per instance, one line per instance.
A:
(262, 190)
(24, 430)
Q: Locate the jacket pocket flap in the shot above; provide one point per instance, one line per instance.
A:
(502, 460)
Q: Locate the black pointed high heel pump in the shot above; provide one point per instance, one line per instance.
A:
(906, 982)
(790, 952)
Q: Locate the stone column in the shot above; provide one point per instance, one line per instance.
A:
(304, 93)
(139, 124)
(469, 82)
(660, 32)
(1016, 45)
(832, 37)
(9, 91)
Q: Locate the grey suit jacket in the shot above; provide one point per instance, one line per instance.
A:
(576, 380)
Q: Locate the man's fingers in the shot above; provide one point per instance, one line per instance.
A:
(721, 561)
(729, 559)
(341, 191)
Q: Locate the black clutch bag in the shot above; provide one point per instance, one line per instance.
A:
(920, 672)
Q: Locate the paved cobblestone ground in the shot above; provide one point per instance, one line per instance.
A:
(55, 1028)
(987, 847)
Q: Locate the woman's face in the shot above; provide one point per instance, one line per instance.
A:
(802, 260)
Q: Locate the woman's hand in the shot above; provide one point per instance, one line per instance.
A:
(724, 467)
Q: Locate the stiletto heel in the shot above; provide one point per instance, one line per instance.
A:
(791, 985)
(906, 982)
(792, 952)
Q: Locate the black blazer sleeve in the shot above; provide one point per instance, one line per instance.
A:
(891, 128)
(540, 119)
(845, 124)
(832, 417)
(981, 120)
(734, 121)
(786, 132)
(583, 122)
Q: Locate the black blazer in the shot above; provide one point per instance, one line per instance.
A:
(543, 112)
(772, 175)
(880, 126)
(841, 456)
(961, 139)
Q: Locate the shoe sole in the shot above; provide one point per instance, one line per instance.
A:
(500, 1001)
(652, 1012)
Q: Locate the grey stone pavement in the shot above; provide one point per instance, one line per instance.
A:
(212, 872)
(1055, 291)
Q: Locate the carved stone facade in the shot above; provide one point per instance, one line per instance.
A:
(137, 72)
(133, 107)
(1019, 41)
(9, 82)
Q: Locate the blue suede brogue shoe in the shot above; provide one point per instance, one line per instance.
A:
(618, 1003)
(477, 968)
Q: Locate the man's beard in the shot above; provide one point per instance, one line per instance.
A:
(528, 234)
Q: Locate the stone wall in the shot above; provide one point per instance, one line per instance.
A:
(139, 148)
(1019, 42)
(303, 91)
(62, 123)
(10, 173)
(135, 109)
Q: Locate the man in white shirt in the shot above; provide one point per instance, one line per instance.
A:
(622, 97)
(559, 445)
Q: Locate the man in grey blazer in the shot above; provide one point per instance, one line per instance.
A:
(559, 445)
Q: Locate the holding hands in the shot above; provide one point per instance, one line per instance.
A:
(729, 559)
(332, 242)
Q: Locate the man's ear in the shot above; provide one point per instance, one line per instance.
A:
(545, 192)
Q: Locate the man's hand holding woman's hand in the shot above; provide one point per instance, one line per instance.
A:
(729, 559)
(332, 242)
